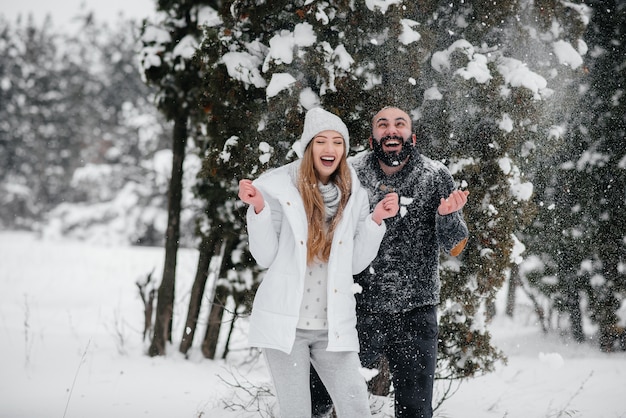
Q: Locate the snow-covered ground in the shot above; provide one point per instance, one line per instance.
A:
(71, 346)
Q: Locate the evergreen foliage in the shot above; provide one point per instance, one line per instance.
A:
(581, 252)
(40, 145)
(78, 135)
(535, 136)
(168, 63)
(355, 57)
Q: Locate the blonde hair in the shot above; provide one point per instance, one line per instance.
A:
(320, 236)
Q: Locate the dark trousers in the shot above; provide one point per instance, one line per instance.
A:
(409, 342)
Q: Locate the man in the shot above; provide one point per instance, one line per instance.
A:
(397, 308)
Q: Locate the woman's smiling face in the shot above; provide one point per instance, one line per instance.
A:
(328, 149)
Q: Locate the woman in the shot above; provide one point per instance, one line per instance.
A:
(309, 225)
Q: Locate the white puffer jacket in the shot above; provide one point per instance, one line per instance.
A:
(278, 237)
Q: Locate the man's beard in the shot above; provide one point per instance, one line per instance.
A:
(392, 159)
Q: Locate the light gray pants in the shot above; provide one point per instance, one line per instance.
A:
(339, 372)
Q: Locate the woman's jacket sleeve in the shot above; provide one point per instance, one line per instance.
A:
(367, 234)
(263, 232)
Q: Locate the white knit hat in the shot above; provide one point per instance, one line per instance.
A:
(316, 121)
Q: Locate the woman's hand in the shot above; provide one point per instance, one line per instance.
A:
(251, 195)
(386, 208)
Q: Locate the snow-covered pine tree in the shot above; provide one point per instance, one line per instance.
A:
(240, 140)
(581, 268)
(477, 79)
(498, 107)
(576, 252)
(43, 91)
(168, 64)
(72, 108)
(117, 190)
(607, 155)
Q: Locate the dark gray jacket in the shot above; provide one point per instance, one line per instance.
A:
(405, 274)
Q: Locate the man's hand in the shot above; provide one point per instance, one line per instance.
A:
(251, 195)
(454, 202)
(386, 208)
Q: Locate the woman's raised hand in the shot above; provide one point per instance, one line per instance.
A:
(386, 208)
(251, 195)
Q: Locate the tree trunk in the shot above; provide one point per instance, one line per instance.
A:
(209, 345)
(147, 294)
(230, 332)
(209, 247)
(197, 291)
(575, 315)
(165, 298)
(380, 385)
(510, 296)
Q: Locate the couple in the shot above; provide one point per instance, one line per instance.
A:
(318, 225)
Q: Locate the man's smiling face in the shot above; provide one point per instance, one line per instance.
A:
(391, 138)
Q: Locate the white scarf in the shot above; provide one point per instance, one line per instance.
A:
(331, 196)
(330, 193)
